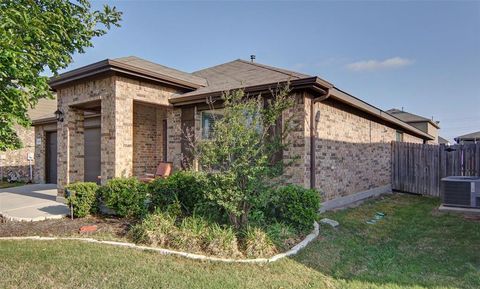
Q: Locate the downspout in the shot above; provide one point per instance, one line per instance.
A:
(314, 119)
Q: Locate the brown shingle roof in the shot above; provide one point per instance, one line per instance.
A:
(442, 140)
(44, 109)
(469, 136)
(161, 70)
(133, 66)
(410, 117)
(239, 74)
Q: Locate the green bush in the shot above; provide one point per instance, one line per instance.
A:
(258, 243)
(83, 198)
(296, 206)
(222, 242)
(282, 235)
(191, 235)
(155, 229)
(126, 196)
(188, 187)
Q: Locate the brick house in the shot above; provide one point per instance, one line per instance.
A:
(122, 117)
(424, 124)
(16, 162)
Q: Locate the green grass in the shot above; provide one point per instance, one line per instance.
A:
(4, 185)
(413, 247)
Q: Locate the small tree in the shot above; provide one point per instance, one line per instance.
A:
(242, 153)
(36, 36)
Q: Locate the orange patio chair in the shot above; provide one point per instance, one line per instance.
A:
(163, 171)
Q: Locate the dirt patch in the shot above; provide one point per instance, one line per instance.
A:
(107, 227)
(475, 218)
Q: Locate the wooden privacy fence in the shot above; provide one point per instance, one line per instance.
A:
(418, 168)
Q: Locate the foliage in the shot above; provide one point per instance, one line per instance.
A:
(192, 234)
(282, 235)
(258, 243)
(186, 187)
(414, 247)
(37, 36)
(155, 229)
(241, 155)
(126, 196)
(296, 206)
(83, 198)
(222, 241)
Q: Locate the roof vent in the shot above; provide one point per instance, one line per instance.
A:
(252, 57)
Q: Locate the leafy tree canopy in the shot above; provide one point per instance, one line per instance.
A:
(242, 151)
(36, 35)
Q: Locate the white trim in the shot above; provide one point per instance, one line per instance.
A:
(314, 234)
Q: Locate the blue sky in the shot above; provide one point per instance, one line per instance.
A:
(423, 56)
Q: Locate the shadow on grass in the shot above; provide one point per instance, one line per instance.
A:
(414, 246)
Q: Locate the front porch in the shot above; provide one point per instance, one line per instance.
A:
(111, 127)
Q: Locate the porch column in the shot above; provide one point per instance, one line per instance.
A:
(117, 135)
(70, 148)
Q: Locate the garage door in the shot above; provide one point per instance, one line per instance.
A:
(51, 158)
(92, 155)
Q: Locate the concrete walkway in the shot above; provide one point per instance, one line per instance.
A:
(31, 203)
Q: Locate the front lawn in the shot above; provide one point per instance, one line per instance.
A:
(414, 246)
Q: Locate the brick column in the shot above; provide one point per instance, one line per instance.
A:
(117, 134)
(70, 148)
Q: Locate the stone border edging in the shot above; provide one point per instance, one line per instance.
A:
(309, 238)
(27, 219)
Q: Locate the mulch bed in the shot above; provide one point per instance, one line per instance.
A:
(106, 226)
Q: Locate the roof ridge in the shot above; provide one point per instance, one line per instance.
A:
(196, 71)
(133, 57)
(276, 69)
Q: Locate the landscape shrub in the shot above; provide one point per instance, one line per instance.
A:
(282, 235)
(258, 243)
(126, 196)
(188, 187)
(222, 242)
(296, 206)
(83, 198)
(191, 234)
(155, 229)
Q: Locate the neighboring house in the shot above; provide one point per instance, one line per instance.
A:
(443, 141)
(15, 163)
(468, 138)
(422, 123)
(122, 117)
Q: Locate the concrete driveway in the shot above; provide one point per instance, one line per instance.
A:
(31, 203)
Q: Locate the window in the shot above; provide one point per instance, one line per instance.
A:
(208, 120)
(399, 136)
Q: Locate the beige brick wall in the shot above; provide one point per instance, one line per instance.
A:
(70, 131)
(174, 137)
(352, 151)
(40, 151)
(147, 138)
(16, 160)
(121, 154)
(297, 154)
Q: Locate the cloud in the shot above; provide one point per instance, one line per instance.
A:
(374, 65)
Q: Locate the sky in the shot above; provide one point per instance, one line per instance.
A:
(423, 56)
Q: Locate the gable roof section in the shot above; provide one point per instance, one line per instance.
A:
(44, 108)
(442, 140)
(133, 66)
(241, 74)
(469, 136)
(410, 117)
